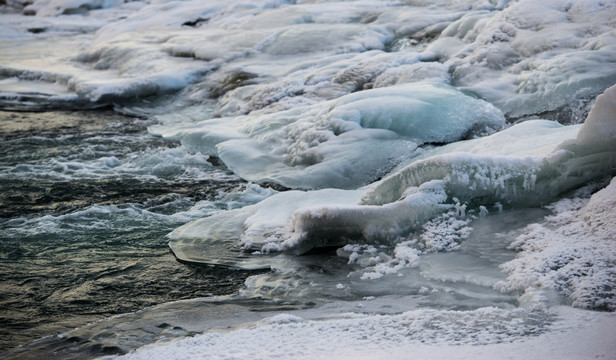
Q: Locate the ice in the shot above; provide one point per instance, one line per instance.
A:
(527, 164)
(327, 226)
(525, 58)
(340, 143)
(309, 81)
(67, 7)
(387, 119)
(229, 238)
(534, 57)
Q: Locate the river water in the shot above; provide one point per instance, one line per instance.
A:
(81, 241)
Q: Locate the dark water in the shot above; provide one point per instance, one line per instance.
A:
(80, 245)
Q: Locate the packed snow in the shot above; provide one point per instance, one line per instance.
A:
(486, 333)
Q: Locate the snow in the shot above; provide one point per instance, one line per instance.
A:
(571, 252)
(422, 334)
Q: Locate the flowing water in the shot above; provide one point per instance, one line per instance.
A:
(82, 240)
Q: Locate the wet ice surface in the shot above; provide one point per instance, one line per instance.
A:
(410, 146)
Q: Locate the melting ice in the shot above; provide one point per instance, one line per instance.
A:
(446, 166)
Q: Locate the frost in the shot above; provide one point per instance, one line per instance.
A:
(572, 252)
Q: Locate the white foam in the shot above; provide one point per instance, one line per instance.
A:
(96, 162)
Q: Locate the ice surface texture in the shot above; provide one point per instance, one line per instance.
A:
(524, 57)
(377, 109)
(343, 143)
(505, 168)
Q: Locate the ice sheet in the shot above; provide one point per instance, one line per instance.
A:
(343, 143)
(503, 168)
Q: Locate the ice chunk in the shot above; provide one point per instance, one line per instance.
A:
(343, 143)
(527, 164)
(229, 238)
(330, 226)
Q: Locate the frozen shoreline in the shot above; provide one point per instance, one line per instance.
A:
(415, 150)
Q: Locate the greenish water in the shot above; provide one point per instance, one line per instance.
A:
(83, 219)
